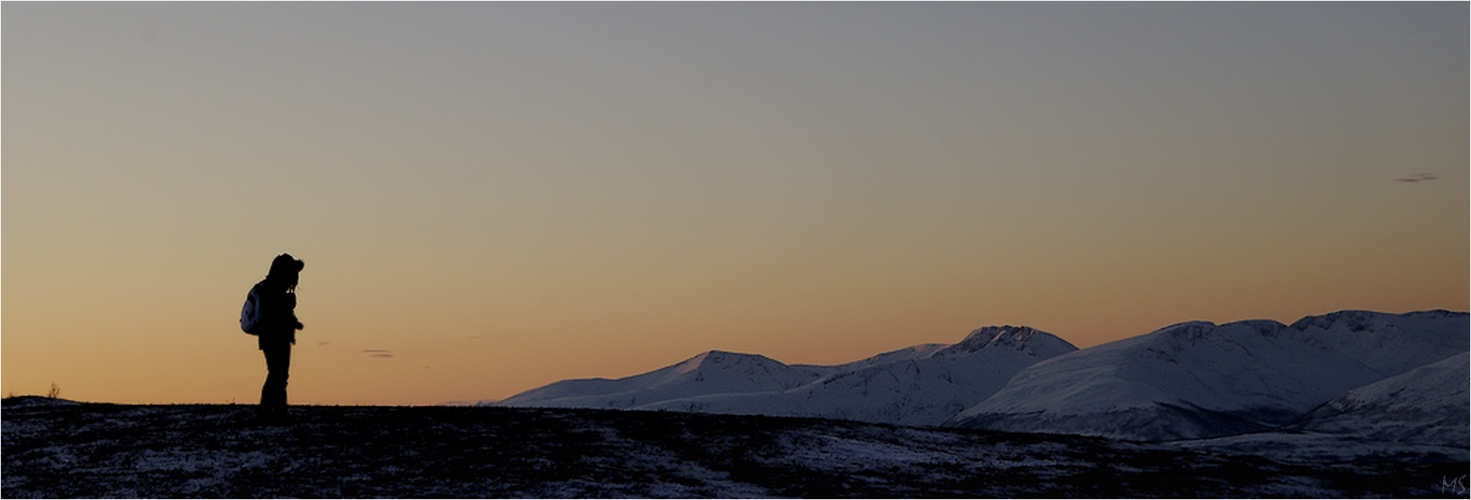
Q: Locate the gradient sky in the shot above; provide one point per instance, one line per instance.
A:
(492, 197)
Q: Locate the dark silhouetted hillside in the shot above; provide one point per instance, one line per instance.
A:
(54, 448)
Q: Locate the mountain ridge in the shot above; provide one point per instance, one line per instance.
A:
(1197, 379)
(919, 385)
(1188, 380)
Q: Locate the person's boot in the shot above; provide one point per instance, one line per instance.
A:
(272, 415)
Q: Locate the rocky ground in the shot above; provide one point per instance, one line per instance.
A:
(55, 448)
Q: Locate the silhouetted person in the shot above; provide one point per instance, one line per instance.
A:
(277, 330)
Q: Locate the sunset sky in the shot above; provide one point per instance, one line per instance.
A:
(492, 197)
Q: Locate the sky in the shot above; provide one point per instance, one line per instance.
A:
(492, 197)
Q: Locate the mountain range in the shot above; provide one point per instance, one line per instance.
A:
(1384, 376)
(920, 385)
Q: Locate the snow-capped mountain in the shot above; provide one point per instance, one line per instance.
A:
(1428, 405)
(920, 385)
(711, 372)
(1199, 380)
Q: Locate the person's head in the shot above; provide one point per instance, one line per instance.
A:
(285, 271)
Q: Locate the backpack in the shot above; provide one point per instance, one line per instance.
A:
(250, 315)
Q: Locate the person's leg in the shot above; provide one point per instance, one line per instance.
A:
(278, 363)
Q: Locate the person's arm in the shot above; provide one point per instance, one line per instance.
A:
(291, 300)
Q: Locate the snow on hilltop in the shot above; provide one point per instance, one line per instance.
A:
(1361, 374)
(1427, 405)
(1201, 380)
(706, 373)
(920, 385)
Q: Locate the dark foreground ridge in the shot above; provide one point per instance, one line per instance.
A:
(61, 449)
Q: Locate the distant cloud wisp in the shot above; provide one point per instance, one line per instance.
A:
(1417, 178)
(378, 353)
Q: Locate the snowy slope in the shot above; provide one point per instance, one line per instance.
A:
(711, 372)
(1427, 405)
(1200, 380)
(926, 389)
(906, 354)
(1419, 415)
(920, 385)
